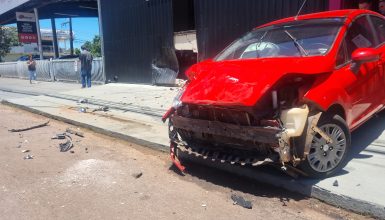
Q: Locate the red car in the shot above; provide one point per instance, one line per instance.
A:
(289, 93)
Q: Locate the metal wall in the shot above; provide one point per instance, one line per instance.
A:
(219, 22)
(137, 34)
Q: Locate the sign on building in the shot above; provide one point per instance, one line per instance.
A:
(26, 27)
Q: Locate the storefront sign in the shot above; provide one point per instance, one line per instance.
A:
(26, 27)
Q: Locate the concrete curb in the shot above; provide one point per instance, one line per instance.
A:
(152, 145)
(282, 181)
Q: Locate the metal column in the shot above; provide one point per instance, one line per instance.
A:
(54, 35)
(38, 34)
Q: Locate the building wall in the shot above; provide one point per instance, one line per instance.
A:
(139, 33)
(136, 33)
(219, 22)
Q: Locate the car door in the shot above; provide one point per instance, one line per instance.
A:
(379, 27)
(363, 90)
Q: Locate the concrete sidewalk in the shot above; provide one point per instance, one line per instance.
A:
(135, 116)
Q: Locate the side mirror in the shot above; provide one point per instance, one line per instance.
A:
(363, 55)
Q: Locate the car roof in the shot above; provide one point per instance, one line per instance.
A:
(347, 13)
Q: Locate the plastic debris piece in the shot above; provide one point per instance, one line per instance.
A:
(25, 151)
(239, 200)
(83, 110)
(77, 133)
(204, 205)
(83, 101)
(28, 157)
(137, 175)
(336, 183)
(64, 147)
(101, 109)
(59, 137)
(30, 128)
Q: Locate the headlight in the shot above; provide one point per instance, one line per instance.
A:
(176, 103)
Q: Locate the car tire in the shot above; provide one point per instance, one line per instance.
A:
(325, 160)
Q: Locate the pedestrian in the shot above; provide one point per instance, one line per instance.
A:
(365, 4)
(86, 59)
(31, 69)
(381, 7)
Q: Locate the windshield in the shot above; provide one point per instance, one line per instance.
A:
(300, 38)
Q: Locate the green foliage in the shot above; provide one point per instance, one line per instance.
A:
(77, 51)
(8, 39)
(94, 47)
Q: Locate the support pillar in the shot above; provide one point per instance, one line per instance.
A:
(54, 35)
(38, 34)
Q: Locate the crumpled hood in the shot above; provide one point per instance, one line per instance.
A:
(244, 82)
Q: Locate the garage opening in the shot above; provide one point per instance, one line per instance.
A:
(185, 37)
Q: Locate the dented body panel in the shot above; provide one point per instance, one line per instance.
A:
(256, 104)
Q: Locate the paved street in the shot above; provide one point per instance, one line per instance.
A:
(100, 180)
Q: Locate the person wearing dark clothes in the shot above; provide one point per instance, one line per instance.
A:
(365, 4)
(31, 69)
(86, 67)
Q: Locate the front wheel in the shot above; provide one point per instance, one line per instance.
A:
(325, 159)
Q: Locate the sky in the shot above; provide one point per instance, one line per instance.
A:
(84, 28)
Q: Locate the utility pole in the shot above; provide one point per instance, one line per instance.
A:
(71, 38)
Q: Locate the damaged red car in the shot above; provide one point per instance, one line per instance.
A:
(287, 93)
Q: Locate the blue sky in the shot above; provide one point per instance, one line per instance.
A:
(84, 28)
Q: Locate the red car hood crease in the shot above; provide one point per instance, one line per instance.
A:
(244, 82)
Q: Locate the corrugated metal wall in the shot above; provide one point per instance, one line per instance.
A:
(219, 22)
(136, 32)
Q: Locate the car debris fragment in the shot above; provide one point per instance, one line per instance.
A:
(137, 175)
(83, 110)
(101, 109)
(28, 157)
(25, 151)
(77, 133)
(59, 137)
(29, 128)
(64, 147)
(83, 101)
(335, 183)
(239, 200)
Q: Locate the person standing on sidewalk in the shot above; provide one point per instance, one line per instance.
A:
(31, 69)
(86, 67)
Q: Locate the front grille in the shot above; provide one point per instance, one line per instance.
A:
(225, 115)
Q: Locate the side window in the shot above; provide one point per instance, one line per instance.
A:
(379, 26)
(359, 35)
(341, 56)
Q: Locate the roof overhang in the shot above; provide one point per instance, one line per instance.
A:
(47, 9)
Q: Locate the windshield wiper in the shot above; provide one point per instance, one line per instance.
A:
(298, 45)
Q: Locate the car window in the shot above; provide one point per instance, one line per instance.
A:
(359, 35)
(300, 38)
(341, 56)
(379, 26)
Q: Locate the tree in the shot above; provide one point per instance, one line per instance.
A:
(94, 47)
(77, 51)
(8, 39)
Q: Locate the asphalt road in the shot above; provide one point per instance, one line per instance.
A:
(101, 180)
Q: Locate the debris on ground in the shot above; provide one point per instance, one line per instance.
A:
(101, 109)
(204, 205)
(86, 150)
(20, 135)
(137, 175)
(83, 110)
(239, 200)
(64, 147)
(28, 157)
(72, 152)
(25, 151)
(59, 137)
(335, 183)
(83, 101)
(77, 133)
(30, 128)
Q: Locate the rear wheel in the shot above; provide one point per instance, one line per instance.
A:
(325, 159)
